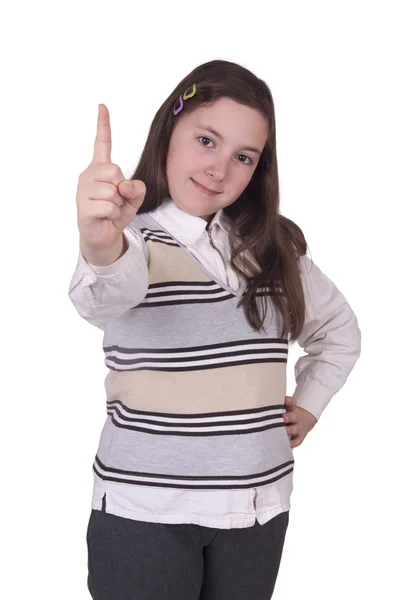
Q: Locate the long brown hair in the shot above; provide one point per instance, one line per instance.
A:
(273, 242)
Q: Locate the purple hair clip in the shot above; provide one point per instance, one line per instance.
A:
(186, 95)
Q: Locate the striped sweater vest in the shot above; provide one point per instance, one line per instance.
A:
(195, 395)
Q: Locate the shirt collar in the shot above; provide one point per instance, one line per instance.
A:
(184, 227)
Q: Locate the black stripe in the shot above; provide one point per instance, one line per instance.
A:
(159, 237)
(203, 367)
(194, 433)
(225, 354)
(179, 302)
(203, 424)
(147, 230)
(186, 292)
(188, 283)
(146, 239)
(257, 341)
(193, 477)
(182, 359)
(196, 487)
(242, 411)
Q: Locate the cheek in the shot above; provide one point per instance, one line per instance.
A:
(180, 162)
(191, 166)
(242, 179)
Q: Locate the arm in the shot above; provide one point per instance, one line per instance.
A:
(331, 338)
(102, 293)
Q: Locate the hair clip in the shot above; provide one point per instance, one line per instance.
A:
(178, 110)
(186, 96)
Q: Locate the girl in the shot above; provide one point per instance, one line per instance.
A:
(200, 284)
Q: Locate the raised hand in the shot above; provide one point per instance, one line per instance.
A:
(106, 201)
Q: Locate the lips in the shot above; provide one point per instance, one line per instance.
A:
(206, 188)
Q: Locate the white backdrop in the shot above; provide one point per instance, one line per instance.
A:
(333, 74)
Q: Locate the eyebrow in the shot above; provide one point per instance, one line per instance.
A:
(218, 135)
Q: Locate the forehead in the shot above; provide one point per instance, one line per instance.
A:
(232, 120)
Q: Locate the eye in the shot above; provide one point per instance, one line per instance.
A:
(202, 137)
(244, 155)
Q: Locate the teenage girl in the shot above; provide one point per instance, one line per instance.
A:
(200, 285)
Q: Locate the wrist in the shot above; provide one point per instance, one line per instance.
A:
(102, 257)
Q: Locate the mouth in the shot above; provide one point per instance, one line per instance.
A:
(205, 190)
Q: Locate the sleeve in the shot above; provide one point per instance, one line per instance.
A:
(330, 337)
(102, 293)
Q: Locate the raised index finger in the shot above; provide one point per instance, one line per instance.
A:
(102, 143)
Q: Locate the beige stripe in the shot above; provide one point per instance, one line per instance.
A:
(213, 390)
(169, 263)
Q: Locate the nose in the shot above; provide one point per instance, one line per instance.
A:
(217, 170)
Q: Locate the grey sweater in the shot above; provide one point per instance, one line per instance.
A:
(194, 395)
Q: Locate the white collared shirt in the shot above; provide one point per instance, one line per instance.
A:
(330, 336)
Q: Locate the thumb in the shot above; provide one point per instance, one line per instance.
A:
(132, 189)
(290, 401)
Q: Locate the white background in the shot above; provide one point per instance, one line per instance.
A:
(334, 77)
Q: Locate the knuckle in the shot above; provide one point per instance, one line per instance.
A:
(109, 208)
(114, 211)
(115, 171)
(109, 191)
(81, 201)
(83, 176)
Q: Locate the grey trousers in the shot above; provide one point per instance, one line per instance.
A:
(135, 560)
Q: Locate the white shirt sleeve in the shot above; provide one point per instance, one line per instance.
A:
(102, 293)
(331, 338)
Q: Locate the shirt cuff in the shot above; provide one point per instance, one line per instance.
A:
(311, 395)
(117, 269)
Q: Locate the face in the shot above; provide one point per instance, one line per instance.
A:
(218, 147)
